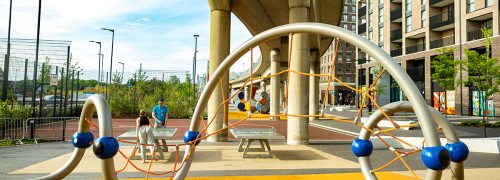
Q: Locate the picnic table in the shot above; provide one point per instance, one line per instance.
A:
(159, 134)
(249, 135)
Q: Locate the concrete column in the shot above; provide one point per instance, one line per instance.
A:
(298, 132)
(282, 94)
(247, 92)
(275, 85)
(314, 85)
(220, 27)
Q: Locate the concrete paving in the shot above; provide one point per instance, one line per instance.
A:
(328, 155)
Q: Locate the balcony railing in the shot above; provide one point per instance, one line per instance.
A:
(440, 2)
(396, 52)
(442, 19)
(473, 35)
(415, 48)
(396, 34)
(362, 61)
(442, 42)
(396, 13)
(362, 28)
(362, 11)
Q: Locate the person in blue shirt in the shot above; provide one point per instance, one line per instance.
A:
(160, 116)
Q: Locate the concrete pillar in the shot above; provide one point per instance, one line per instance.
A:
(275, 85)
(262, 85)
(282, 94)
(247, 92)
(220, 27)
(298, 104)
(314, 85)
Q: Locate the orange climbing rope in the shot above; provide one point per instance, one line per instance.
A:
(331, 78)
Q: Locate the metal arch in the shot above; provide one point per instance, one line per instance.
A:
(370, 48)
(437, 117)
(98, 103)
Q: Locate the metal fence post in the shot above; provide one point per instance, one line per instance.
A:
(64, 130)
(61, 113)
(32, 123)
(54, 109)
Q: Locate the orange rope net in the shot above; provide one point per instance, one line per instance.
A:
(399, 155)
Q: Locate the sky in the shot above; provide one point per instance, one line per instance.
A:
(156, 33)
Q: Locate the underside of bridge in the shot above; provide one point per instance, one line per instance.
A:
(261, 15)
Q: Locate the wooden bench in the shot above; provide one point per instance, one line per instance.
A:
(159, 133)
(248, 135)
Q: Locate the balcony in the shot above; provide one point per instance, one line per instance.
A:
(362, 28)
(397, 35)
(440, 3)
(397, 14)
(474, 35)
(396, 52)
(415, 48)
(442, 42)
(362, 61)
(443, 21)
(362, 12)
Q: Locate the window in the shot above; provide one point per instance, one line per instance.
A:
(353, 27)
(370, 20)
(345, 26)
(381, 35)
(348, 68)
(347, 79)
(345, 9)
(348, 58)
(370, 35)
(471, 6)
(408, 24)
(370, 5)
(339, 69)
(348, 47)
(381, 16)
(489, 3)
(344, 18)
(408, 6)
(353, 18)
(353, 9)
(488, 24)
(339, 58)
(422, 15)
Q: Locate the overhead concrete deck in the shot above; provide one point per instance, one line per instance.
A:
(261, 15)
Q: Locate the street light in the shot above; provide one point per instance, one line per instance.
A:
(123, 68)
(194, 63)
(99, 73)
(112, 45)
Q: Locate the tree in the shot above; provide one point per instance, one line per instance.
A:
(378, 88)
(444, 71)
(484, 72)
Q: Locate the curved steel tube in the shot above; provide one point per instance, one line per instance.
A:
(98, 103)
(364, 44)
(437, 117)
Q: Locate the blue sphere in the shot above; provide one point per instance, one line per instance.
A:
(82, 140)
(190, 136)
(362, 147)
(241, 95)
(105, 147)
(241, 107)
(458, 151)
(436, 158)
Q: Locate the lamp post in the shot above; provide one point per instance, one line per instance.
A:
(194, 63)
(112, 45)
(7, 59)
(99, 73)
(123, 68)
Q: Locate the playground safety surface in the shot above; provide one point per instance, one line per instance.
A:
(328, 156)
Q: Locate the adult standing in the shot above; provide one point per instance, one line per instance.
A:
(145, 135)
(160, 115)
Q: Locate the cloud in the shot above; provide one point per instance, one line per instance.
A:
(156, 33)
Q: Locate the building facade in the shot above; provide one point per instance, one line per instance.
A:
(344, 64)
(412, 31)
